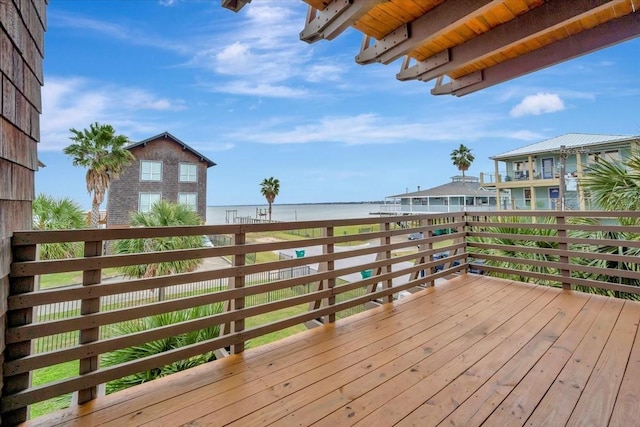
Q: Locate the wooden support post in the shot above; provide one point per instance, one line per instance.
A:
(331, 282)
(15, 318)
(385, 241)
(563, 246)
(237, 282)
(429, 237)
(90, 306)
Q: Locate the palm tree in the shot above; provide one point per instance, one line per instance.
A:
(462, 159)
(50, 213)
(161, 214)
(104, 155)
(269, 188)
(615, 184)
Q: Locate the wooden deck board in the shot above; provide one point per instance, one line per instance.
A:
(468, 351)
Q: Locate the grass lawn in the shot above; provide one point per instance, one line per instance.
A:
(71, 278)
(47, 375)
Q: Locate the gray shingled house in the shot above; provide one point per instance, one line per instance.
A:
(165, 169)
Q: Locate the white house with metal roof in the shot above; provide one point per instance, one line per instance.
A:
(545, 175)
(455, 196)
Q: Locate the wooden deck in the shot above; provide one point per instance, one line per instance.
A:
(471, 351)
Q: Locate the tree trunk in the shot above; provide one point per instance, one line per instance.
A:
(95, 215)
(269, 211)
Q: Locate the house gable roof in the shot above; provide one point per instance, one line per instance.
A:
(570, 140)
(167, 135)
(454, 189)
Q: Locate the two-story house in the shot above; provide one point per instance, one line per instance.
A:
(164, 168)
(542, 175)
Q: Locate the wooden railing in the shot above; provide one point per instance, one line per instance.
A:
(588, 250)
(396, 264)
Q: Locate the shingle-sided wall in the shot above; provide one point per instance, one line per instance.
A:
(123, 194)
(22, 26)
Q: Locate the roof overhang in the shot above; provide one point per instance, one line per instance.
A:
(465, 45)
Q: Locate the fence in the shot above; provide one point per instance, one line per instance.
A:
(68, 309)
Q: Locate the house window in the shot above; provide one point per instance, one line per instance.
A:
(146, 200)
(188, 172)
(150, 170)
(189, 199)
(611, 155)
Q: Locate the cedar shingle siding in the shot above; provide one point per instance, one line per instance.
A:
(123, 196)
(22, 26)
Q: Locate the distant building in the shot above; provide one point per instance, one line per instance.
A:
(531, 177)
(455, 196)
(165, 168)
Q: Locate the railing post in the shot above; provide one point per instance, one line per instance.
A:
(429, 244)
(89, 306)
(15, 318)
(465, 218)
(331, 282)
(238, 281)
(563, 246)
(385, 242)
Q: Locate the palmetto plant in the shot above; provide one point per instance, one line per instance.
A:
(156, 347)
(103, 154)
(614, 184)
(608, 250)
(520, 238)
(162, 214)
(511, 252)
(50, 213)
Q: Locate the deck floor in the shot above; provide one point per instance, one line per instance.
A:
(471, 351)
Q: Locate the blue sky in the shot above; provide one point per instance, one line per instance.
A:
(243, 90)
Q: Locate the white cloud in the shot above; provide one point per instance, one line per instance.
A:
(365, 129)
(538, 104)
(76, 102)
(258, 89)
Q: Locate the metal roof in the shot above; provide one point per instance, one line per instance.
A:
(177, 141)
(465, 46)
(570, 140)
(453, 189)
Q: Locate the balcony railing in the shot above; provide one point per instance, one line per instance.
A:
(343, 271)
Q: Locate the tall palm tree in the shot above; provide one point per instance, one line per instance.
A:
(162, 214)
(462, 159)
(104, 155)
(50, 213)
(614, 184)
(269, 188)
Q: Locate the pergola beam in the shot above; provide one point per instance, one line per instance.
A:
(234, 5)
(547, 17)
(587, 41)
(442, 18)
(336, 17)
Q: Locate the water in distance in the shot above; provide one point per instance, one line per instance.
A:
(303, 212)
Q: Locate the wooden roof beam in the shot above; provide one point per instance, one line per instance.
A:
(234, 5)
(440, 19)
(599, 37)
(334, 19)
(540, 20)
